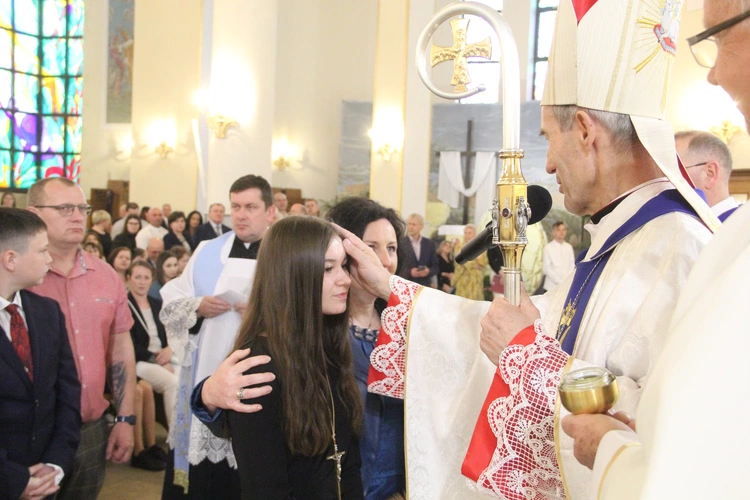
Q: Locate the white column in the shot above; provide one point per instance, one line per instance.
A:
(166, 71)
(417, 119)
(242, 80)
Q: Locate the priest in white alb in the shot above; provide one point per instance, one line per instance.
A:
(479, 380)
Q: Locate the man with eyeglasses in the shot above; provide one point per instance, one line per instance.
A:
(724, 48)
(708, 162)
(94, 301)
(691, 441)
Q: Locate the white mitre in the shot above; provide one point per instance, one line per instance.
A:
(617, 55)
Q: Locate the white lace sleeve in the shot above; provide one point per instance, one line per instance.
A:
(178, 316)
(524, 464)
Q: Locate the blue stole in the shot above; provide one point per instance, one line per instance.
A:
(588, 273)
(723, 217)
(206, 272)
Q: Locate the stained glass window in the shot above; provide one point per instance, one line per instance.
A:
(546, 12)
(41, 68)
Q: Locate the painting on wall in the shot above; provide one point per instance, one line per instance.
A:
(120, 61)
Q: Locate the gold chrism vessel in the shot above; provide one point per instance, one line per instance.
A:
(588, 390)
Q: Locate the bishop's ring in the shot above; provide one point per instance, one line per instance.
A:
(241, 393)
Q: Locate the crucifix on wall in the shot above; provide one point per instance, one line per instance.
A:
(468, 156)
(468, 174)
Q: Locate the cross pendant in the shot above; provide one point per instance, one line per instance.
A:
(337, 456)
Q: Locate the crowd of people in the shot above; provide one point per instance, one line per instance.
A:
(279, 343)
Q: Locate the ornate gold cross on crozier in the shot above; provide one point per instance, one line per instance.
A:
(459, 52)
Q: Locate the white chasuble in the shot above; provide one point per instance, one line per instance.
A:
(428, 352)
(692, 441)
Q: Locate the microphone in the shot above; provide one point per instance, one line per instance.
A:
(540, 202)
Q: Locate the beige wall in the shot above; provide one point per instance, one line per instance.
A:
(167, 74)
(99, 161)
(325, 55)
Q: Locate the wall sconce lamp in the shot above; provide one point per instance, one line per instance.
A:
(386, 151)
(163, 149)
(387, 133)
(219, 124)
(284, 154)
(726, 131)
(282, 162)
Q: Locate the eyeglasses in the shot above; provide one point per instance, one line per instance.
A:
(697, 165)
(67, 210)
(703, 45)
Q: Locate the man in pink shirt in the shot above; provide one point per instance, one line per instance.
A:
(94, 301)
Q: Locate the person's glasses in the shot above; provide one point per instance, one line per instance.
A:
(703, 45)
(697, 165)
(67, 210)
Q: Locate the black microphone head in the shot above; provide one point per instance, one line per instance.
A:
(540, 201)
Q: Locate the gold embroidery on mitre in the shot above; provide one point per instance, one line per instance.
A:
(658, 26)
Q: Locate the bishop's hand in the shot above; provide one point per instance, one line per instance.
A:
(503, 322)
(364, 265)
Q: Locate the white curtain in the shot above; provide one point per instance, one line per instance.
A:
(451, 183)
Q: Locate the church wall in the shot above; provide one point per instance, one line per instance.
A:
(167, 74)
(99, 159)
(325, 55)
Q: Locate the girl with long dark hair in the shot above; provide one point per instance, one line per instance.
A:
(304, 443)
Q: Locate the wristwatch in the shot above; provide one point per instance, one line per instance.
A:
(128, 419)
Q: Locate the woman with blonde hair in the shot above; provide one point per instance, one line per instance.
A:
(101, 224)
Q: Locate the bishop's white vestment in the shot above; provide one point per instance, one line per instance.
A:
(692, 440)
(428, 353)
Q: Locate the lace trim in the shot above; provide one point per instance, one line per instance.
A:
(204, 445)
(389, 356)
(524, 465)
(178, 316)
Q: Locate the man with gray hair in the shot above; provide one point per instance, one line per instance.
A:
(709, 164)
(420, 254)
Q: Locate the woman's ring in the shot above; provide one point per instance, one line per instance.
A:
(241, 393)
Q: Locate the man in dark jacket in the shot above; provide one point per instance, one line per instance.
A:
(419, 252)
(40, 395)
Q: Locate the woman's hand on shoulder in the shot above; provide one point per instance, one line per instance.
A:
(222, 389)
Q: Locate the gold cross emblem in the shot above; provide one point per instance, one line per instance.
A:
(567, 317)
(459, 52)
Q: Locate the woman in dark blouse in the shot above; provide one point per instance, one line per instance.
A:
(194, 219)
(445, 263)
(177, 236)
(127, 237)
(304, 443)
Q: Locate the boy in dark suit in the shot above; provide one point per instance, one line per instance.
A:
(40, 395)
